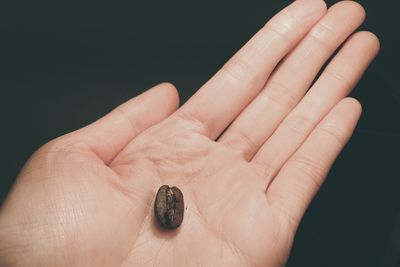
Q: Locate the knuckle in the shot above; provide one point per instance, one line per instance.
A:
(240, 140)
(324, 35)
(188, 121)
(300, 125)
(334, 133)
(281, 94)
(240, 70)
(265, 169)
(280, 30)
(338, 77)
(120, 112)
(310, 168)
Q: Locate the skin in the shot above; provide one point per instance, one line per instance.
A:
(86, 198)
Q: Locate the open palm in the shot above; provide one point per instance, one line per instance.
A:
(249, 151)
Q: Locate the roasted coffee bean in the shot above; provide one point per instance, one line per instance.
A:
(169, 206)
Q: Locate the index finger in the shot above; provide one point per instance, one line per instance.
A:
(222, 98)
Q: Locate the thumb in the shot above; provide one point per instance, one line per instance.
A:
(107, 136)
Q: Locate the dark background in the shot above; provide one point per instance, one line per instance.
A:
(66, 63)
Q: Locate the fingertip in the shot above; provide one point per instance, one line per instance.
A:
(322, 5)
(167, 86)
(354, 104)
(309, 11)
(348, 108)
(172, 92)
(169, 92)
(164, 93)
(351, 5)
(319, 6)
(372, 39)
(349, 11)
(367, 41)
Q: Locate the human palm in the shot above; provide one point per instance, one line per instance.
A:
(249, 151)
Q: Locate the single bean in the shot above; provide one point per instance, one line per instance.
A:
(169, 207)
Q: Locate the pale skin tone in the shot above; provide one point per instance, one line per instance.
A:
(249, 151)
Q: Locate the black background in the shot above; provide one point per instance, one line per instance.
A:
(66, 63)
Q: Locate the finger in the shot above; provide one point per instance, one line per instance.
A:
(110, 134)
(289, 82)
(220, 100)
(301, 177)
(334, 84)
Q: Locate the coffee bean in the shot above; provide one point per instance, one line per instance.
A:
(169, 206)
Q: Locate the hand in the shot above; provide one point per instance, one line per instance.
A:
(249, 151)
